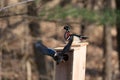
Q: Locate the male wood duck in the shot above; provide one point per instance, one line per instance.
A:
(68, 34)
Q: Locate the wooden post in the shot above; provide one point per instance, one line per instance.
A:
(74, 68)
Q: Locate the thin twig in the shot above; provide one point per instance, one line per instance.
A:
(29, 72)
(12, 5)
(0, 62)
(10, 15)
(56, 21)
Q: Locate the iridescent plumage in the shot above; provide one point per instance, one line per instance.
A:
(67, 34)
(40, 48)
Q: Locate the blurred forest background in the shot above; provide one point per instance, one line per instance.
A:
(23, 22)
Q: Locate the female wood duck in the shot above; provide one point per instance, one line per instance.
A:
(39, 48)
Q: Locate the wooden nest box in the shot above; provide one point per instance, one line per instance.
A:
(74, 68)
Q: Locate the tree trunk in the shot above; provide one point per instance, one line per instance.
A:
(118, 29)
(33, 25)
(107, 53)
(83, 23)
(107, 45)
(118, 41)
(44, 66)
(34, 31)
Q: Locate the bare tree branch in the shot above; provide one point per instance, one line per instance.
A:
(12, 5)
